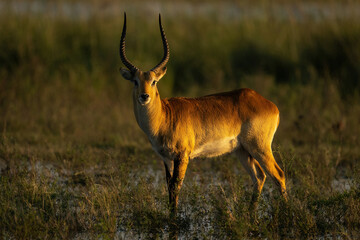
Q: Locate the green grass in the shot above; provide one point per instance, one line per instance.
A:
(74, 163)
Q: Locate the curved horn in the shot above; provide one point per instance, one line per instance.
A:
(125, 61)
(166, 56)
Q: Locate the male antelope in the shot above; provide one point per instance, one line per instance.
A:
(180, 129)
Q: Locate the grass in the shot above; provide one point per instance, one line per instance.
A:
(74, 163)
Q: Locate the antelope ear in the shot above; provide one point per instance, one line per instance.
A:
(125, 73)
(160, 73)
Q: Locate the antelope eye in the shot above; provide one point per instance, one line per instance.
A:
(153, 83)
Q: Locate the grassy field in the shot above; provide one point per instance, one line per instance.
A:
(74, 164)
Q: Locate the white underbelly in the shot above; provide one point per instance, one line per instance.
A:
(216, 148)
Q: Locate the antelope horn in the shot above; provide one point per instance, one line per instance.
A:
(124, 60)
(166, 56)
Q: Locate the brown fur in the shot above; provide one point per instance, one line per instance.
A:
(240, 121)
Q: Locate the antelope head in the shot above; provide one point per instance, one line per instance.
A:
(145, 89)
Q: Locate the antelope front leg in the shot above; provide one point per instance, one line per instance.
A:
(176, 180)
(168, 171)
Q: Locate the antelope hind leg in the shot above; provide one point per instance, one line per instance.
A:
(256, 173)
(268, 162)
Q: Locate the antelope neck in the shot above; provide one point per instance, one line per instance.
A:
(149, 116)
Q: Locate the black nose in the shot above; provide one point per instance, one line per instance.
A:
(144, 96)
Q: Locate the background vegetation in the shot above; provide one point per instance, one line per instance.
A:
(74, 163)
